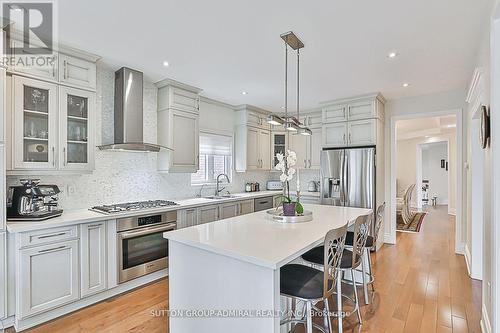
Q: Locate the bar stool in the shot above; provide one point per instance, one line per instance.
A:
(310, 285)
(370, 242)
(351, 260)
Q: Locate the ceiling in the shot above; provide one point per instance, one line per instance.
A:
(226, 47)
(425, 127)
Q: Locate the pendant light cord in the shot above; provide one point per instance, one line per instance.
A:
(298, 80)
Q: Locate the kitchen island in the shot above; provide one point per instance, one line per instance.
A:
(225, 276)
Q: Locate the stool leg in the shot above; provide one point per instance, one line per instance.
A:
(356, 297)
(339, 301)
(365, 285)
(328, 319)
(309, 327)
(372, 278)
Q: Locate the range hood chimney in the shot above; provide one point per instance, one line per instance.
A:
(128, 114)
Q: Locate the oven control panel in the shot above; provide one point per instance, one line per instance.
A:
(147, 220)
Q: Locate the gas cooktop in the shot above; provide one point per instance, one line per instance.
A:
(131, 206)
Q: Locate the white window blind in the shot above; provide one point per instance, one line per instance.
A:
(215, 158)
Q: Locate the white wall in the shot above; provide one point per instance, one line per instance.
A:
(114, 180)
(432, 154)
(406, 164)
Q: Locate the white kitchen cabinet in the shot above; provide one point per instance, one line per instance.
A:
(265, 149)
(47, 277)
(362, 132)
(246, 207)
(335, 113)
(3, 186)
(76, 124)
(208, 214)
(279, 143)
(47, 71)
(35, 131)
(253, 148)
(315, 148)
(298, 144)
(227, 210)
(335, 135)
(361, 110)
(93, 258)
(3, 275)
(187, 218)
(178, 127)
(78, 72)
(313, 120)
(252, 116)
(178, 130)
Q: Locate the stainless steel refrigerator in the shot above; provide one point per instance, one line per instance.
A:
(348, 177)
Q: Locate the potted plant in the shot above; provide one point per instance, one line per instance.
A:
(286, 162)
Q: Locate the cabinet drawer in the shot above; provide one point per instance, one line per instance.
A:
(361, 110)
(77, 71)
(47, 236)
(335, 113)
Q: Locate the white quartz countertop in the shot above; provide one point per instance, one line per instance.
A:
(256, 239)
(78, 216)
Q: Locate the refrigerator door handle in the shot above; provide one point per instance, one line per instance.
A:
(345, 174)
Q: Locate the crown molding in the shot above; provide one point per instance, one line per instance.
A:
(177, 84)
(375, 95)
(248, 107)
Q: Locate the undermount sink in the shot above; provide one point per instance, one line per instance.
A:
(216, 197)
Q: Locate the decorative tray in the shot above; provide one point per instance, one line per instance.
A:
(276, 214)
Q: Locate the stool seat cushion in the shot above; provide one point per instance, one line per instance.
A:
(316, 257)
(301, 281)
(349, 239)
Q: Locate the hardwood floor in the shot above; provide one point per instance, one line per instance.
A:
(421, 286)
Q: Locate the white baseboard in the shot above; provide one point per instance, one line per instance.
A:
(468, 258)
(485, 321)
(388, 239)
(460, 248)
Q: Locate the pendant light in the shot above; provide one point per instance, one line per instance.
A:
(291, 124)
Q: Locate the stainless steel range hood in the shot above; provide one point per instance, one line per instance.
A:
(128, 114)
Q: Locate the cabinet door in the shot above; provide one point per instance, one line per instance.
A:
(335, 135)
(253, 157)
(298, 143)
(362, 132)
(246, 207)
(77, 71)
(335, 113)
(265, 149)
(181, 99)
(228, 210)
(48, 277)
(185, 141)
(188, 218)
(278, 146)
(361, 110)
(35, 124)
(93, 256)
(315, 148)
(208, 214)
(3, 274)
(314, 120)
(76, 119)
(47, 71)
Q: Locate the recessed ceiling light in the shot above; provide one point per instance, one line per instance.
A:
(244, 93)
(165, 63)
(406, 85)
(392, 55)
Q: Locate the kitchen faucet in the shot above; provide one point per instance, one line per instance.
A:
(217, 190)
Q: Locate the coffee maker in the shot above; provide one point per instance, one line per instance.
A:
(32, 201)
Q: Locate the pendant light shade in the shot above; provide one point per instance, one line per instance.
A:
(275, 120)
(304, 131)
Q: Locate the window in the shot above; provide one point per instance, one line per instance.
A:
(215, 158)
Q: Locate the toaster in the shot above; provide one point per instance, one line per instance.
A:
(274, 185)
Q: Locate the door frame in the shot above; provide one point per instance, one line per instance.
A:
(419, 171)
(390, 196)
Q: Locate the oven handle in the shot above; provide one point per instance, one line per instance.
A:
(148, 230)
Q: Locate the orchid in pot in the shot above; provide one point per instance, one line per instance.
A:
(285, 164)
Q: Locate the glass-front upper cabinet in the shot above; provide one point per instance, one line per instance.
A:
(278, 144)
(76, 126)
(35, 124)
